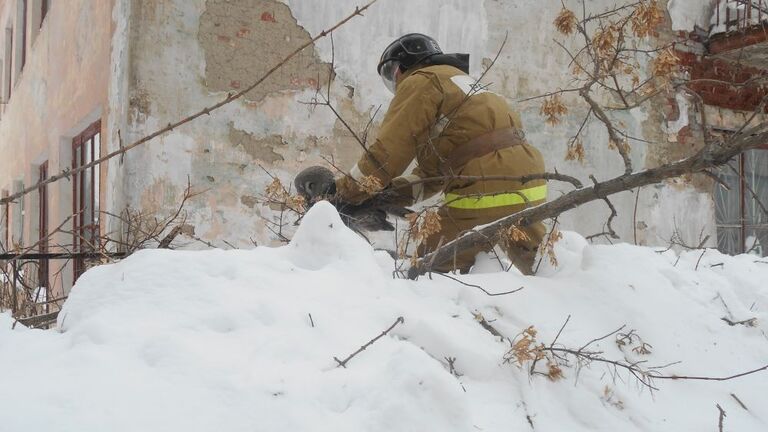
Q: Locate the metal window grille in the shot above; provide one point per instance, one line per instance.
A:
(741, 214)
(735, 15)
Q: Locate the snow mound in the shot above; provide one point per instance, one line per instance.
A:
(323, 240)
(245, 340)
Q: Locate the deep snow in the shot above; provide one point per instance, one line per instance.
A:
(244, 340)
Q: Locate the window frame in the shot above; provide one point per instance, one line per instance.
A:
(43, 228)
(744, 196)
(23, 23)
(8, 73)
(79, 188)
(7, 221)
(45, 7)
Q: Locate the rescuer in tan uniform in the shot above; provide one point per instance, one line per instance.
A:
(452, 127)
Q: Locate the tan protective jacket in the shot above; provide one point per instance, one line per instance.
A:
(435, 110)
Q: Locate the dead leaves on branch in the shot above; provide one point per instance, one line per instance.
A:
(623, 145)
(423, 225)
(605, 41)
(370, 185)
(615, 60)
(552, 109)
(512, 236)
(566, 21)
(646, 18)
(526, 349)
(575, 151)
(666, 63)
(549, 246)
(607, 36)
(276, 193)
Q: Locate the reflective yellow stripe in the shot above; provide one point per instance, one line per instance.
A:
(536, 193)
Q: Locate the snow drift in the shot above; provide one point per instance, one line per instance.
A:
(245, 340)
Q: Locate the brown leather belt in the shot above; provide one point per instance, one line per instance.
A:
(498, 139)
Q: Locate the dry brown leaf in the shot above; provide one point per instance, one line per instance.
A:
(297, 203)
(370, 185)
(525, 348)
(430, 223)
(665, 63)
(605, 40)
(554, 372)
(575, 151)
(276, 192)
(554, 237)
(623, 145)
(566, 21)
(553, 108)
(424, 224)
(646, 18)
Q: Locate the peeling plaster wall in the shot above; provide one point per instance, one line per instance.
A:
(63, 88)
(243, 40)
(186, 55)
(189, 54)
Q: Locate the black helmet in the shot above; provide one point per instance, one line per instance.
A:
(404, 53)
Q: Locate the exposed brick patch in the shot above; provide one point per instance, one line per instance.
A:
(723, 94)
(685, 136)
(671, 109)
(727, 42)
(268, 17)
(241, 42)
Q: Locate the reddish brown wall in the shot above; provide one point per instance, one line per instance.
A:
(724, 94)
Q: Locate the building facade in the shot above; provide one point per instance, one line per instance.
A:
(82, 78)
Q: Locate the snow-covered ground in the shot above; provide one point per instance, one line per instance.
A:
(245, 340)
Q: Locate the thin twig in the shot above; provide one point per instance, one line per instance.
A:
(489, 294)
(343, 363)
(721, 417)
(739, 401)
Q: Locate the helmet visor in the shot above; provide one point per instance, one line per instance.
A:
(388, 72)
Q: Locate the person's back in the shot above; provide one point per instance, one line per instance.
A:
(466, 115)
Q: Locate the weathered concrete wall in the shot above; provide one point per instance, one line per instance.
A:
(189, 54)
(62, 89)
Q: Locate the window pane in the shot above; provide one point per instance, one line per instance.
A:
(729, 240)
(728, 210)
(96, 170)
(87, 186)
(77, 190)
(756, 176)
(757, 241)
(727, 202)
